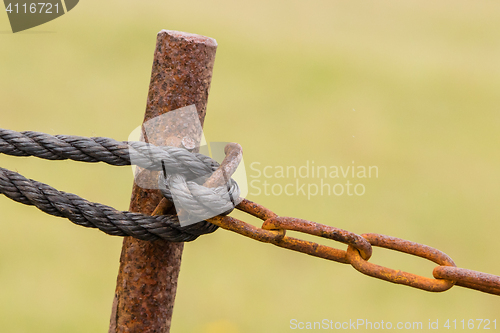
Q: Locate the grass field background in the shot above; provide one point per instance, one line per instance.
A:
(410, 87)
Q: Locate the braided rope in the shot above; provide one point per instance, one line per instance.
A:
(201, 202)
(95, 215)
(180, 165)
(99, 149)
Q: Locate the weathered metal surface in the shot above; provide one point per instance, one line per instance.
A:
(467, 278)
(274, 232)
(234, 154)
(397, 276)
(245, 229)
(147, 279)
(255, 209)
(359, 250)
(321, 230)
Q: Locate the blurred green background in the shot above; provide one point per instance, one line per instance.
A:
(422, 76)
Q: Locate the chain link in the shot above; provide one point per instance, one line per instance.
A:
(397, 276)
(274, 227)
(359, 250)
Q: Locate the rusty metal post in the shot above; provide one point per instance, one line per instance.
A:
(147, 279)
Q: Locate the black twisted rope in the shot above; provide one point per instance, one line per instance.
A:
(98, 149)
(95, 215)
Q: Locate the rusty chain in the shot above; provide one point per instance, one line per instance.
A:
(359, 250)
(274, 227)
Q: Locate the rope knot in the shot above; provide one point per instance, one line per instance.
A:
(195, 202)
